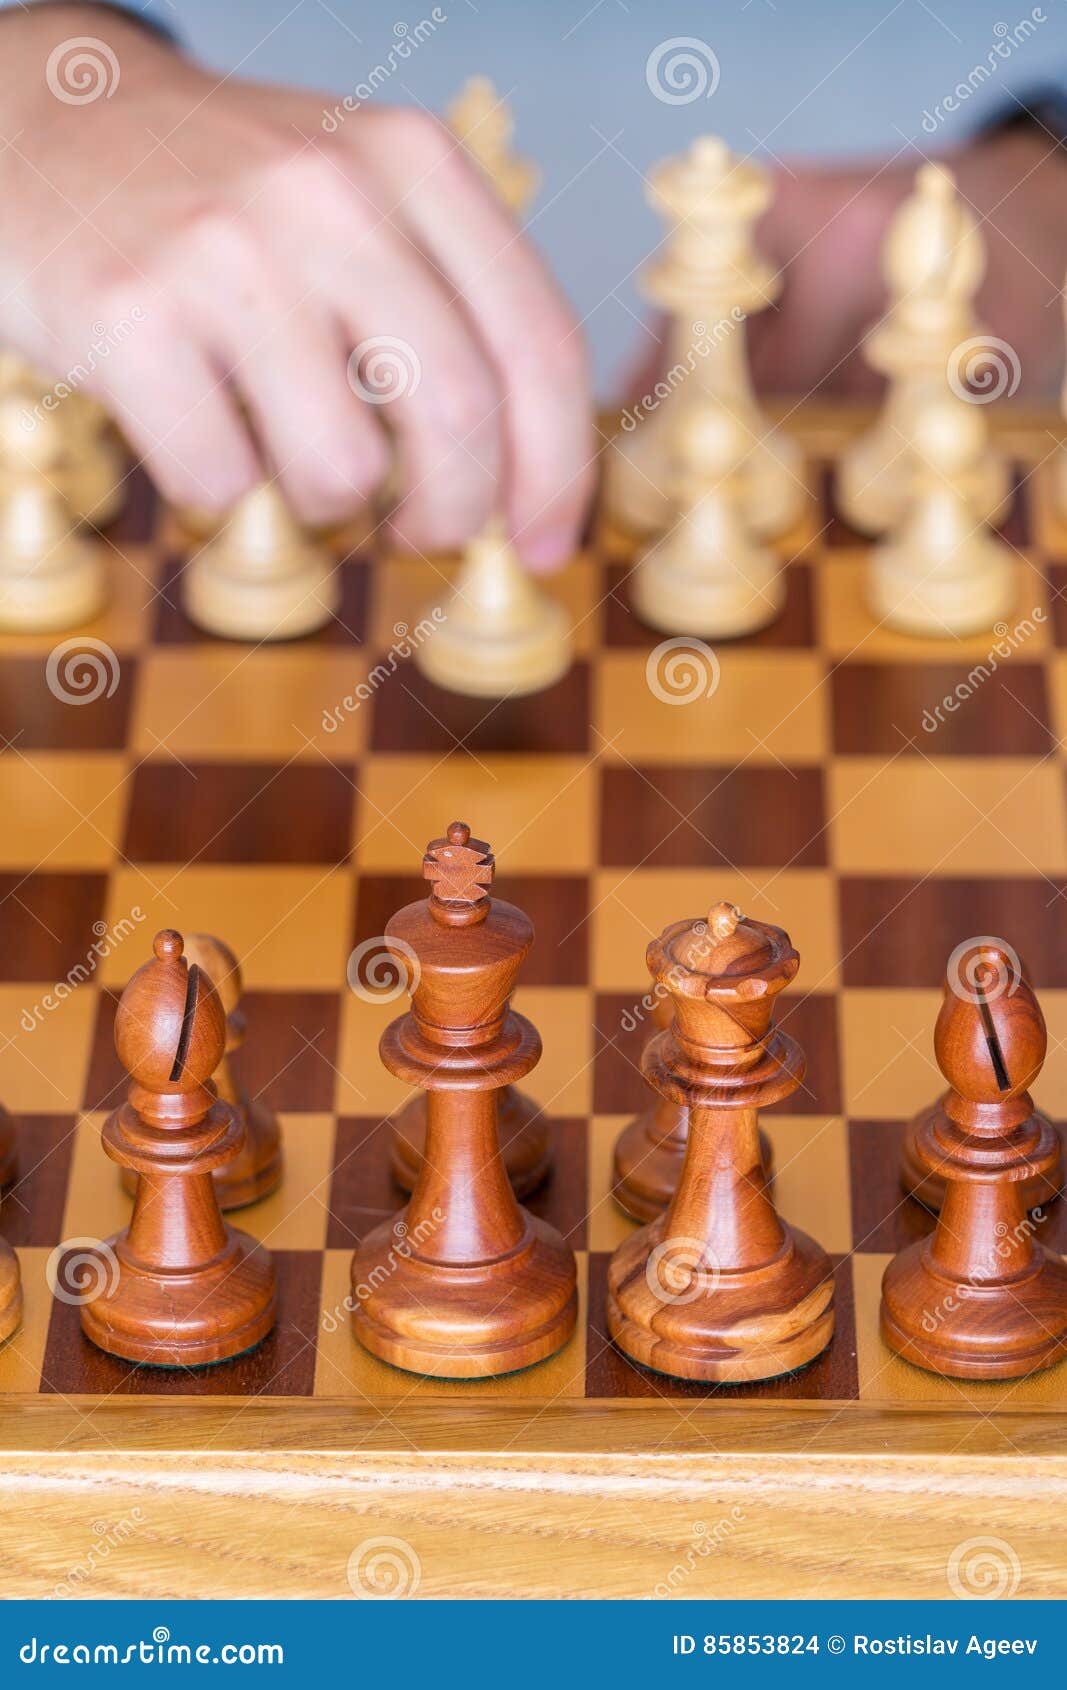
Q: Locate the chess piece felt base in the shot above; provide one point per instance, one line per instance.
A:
(920, 1169)
(8, 1148)
(10, 1291)
(718, 1326)
(256, 1170)
(238, 606)
(940, 605)
(176, 1319)
(525, 1146)
(1002, 1331)
(649, 1153)
(472, 1321)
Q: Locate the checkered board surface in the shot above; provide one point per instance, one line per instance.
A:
(205, 793)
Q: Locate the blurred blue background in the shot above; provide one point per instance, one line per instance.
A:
(812, 77)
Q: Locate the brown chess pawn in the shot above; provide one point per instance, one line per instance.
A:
(256, 1170)
(981, 1298)
(650, 1150)
(181, 1287)
(719, 1288)
(8, 1148)
(521, 1127)
(463, 1284)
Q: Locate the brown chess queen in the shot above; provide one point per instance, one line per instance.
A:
(188, 1289)
(719, 1288)
(982, 1298)
(464, 1283)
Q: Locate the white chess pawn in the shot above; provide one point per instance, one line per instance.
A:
(709, 277)
(941, 572)
(51, 577)
(260, 577)
(501, 633)
(933, 261)
(97, 467)
(709, 575)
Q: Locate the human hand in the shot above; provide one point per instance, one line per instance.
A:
(252, 250)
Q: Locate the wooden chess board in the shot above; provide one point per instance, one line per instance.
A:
(203, 791)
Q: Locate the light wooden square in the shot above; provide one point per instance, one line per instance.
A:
(295, 1216)
(344, 1368)
(811, 1185)
(64, 810)
(607, 1226)
(44, 1070)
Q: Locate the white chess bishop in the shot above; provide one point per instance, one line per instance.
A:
(933, 262)
(940, 572)
(709, 575)
(709, 278)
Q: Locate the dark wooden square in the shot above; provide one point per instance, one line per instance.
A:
(86, 708)
(411, 713)
(283, 1365)
(667, 817)
(880, 709)
(831, 1377)
(33, 1204)
(884, 1217)
(899, 931)
(240, 813)
(557, 904)
(795, 627)
(50, 924)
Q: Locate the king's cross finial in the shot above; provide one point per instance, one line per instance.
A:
(459, 868)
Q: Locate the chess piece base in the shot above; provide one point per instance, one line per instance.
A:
(940, 606)
(10, 1291)
(640, 468)
(518, 661)
(65, 595)
(256, 1170)
(240, 607)
(467, 1322)
(755, 1324)
(525, 1147)
(1000, 1331)
(921, 1179)
(681, 601)
(648, 1165)
(184, 1319)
